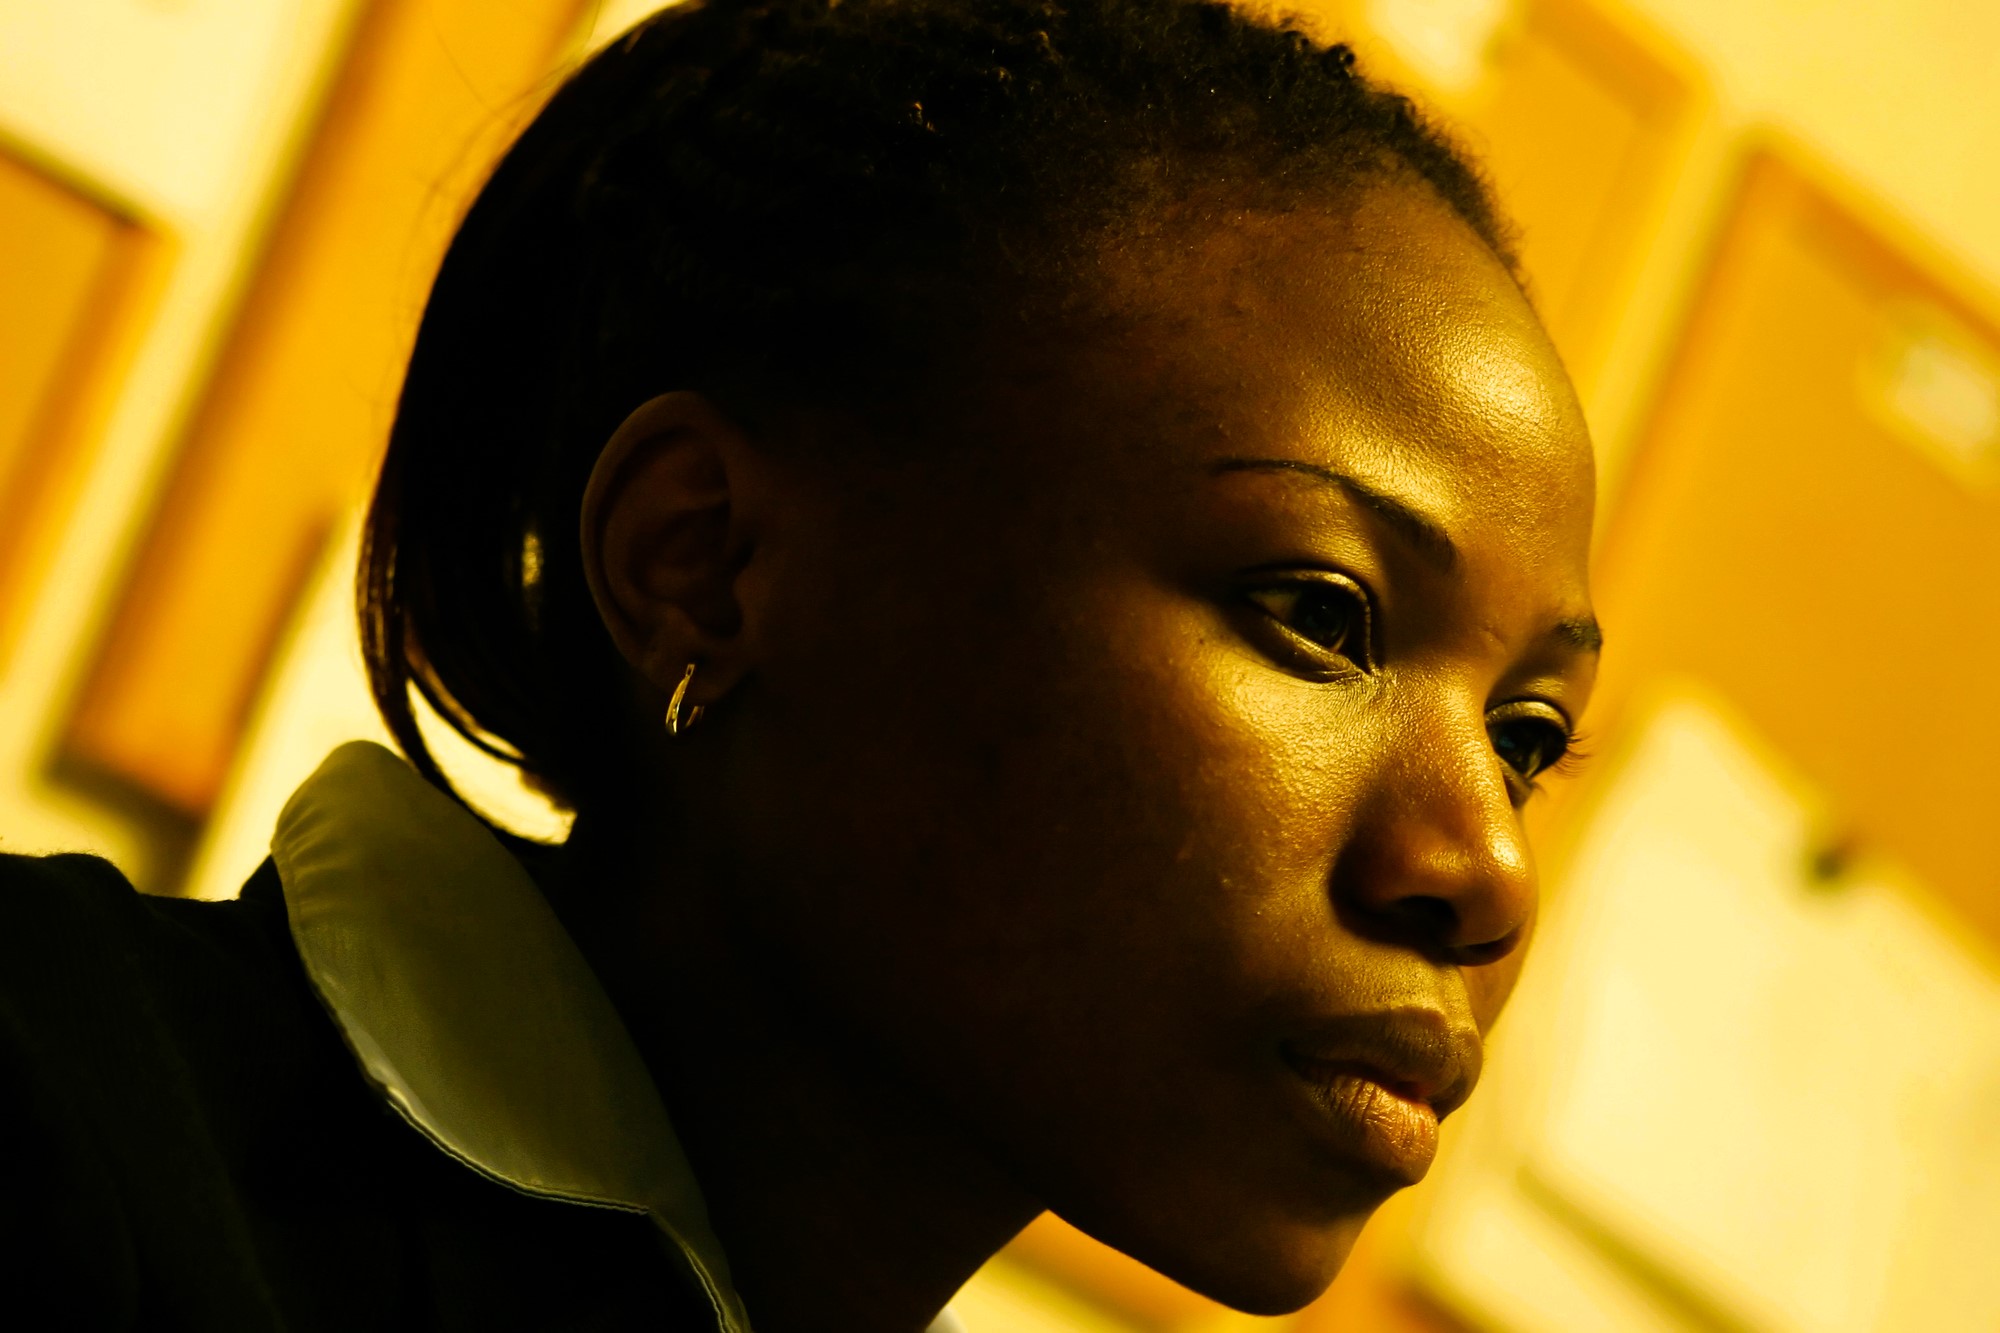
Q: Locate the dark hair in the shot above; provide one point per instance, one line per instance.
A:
(789, 202)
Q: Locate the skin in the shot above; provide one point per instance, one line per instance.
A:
(1029, 837)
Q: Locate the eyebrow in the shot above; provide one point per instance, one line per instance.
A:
(1424, 534)
(1582, 633)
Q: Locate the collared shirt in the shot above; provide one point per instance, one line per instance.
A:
(472, 1012)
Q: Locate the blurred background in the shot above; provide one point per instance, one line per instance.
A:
(1752, 1081)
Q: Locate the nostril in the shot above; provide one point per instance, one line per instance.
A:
(1431, 922)
(1435, 926)
(1479, 955)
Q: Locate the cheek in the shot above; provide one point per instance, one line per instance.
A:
(1102, 895)
(1104, 878)
(1170, 786)
(1489, 987)
(1113, 813)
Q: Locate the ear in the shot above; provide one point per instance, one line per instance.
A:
(664, 529)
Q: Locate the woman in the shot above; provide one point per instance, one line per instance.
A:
(1046, 548)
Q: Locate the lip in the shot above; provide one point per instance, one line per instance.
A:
(1383, 1081)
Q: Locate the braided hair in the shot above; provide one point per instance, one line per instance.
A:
(790, 203)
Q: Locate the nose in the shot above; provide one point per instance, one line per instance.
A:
(1439, 861)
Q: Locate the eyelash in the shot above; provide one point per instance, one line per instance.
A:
(1357, 634)
(1353, 643)
(1574, 756)
(1566, 763)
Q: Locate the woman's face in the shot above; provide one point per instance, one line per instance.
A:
(1138, 780)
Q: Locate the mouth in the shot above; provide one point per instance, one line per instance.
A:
(1383, 1082)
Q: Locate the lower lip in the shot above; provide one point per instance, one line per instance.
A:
(1397, 1134)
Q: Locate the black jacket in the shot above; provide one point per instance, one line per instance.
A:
(188, 1144)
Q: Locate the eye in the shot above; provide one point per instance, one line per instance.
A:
(1326, 611)
(1530, 743)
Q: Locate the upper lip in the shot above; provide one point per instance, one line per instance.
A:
(1416, 1053)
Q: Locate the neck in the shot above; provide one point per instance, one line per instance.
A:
(842, 1198)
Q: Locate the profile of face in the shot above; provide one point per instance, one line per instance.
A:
(1136, 781)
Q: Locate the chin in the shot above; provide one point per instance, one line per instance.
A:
(1259, 1271)
(1277, 1282)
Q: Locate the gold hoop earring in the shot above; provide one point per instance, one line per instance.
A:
(676, 724)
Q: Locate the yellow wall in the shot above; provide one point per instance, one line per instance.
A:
(183, 123)
(287, 433)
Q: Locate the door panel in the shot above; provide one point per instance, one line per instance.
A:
(1580, 121)
(1785, 543)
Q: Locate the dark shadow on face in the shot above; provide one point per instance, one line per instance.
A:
(1139, 779)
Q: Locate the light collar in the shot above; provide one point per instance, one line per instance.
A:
(471, 1010)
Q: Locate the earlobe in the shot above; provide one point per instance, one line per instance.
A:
(663, 538)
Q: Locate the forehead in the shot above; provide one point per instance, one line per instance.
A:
(1383, 338)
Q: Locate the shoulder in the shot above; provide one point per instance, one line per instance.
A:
(71, 890)
(166, 1077)
(142, 1013)
(44, 899)
(80, 947)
